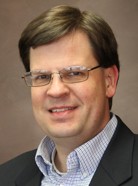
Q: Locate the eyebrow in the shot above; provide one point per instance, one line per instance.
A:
(40, 71)
(75, 67)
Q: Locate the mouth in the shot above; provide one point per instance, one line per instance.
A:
(61, 109)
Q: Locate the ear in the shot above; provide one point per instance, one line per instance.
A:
(111, 78)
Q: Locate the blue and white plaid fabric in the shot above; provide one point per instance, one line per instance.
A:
(81, 163)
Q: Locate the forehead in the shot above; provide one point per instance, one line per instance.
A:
(72, 49)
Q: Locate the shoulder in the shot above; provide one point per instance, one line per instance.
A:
(136, 143)
(124, 128)
(14, 166)
(128, 137)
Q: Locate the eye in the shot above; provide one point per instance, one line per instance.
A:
(75, 73)
(41, 77)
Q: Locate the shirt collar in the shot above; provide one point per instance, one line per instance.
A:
(86, 157)
(44, 154)
(91, 152)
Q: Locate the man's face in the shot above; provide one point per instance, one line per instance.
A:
(78, 110)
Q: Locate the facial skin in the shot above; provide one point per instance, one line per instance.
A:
(87, 100)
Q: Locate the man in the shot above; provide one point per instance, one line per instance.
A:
(72, 67)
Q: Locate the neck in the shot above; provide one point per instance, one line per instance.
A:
(60, 161)
(63, 149)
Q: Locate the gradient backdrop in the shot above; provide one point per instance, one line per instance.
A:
(18, 129)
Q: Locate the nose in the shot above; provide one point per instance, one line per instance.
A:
(57, 88)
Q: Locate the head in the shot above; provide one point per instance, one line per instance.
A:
(61, 20)
(65, 36)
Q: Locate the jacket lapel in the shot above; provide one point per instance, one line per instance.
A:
(30, 176)
(116, 164)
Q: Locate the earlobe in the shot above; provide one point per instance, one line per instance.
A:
(111, 78)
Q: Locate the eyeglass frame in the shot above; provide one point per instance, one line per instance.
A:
(60, 74)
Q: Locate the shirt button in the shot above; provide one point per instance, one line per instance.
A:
(84, 174)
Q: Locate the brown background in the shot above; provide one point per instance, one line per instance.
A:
(18, 129)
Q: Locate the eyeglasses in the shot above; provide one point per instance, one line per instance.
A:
(71, 74)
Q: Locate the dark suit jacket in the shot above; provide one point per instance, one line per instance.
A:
(118, 166)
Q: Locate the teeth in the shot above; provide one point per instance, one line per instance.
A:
(61, 109)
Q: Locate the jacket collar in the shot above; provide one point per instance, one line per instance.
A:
(116, 164)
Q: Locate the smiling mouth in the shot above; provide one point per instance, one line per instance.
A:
(56, 110)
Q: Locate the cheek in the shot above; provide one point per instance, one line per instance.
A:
(86, 94)
(37, 97)
(94, 94)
